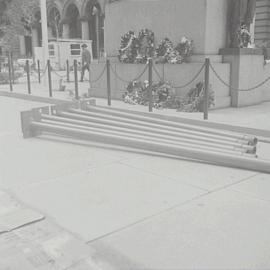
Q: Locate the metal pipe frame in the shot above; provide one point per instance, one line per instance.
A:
(167, 123)
(152, 134)
(181, 131)
(241, 162)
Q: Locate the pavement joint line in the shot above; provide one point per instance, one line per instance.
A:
(168, 210)
(58, 178)
(51, 179)
(168, 177)
(251, 195)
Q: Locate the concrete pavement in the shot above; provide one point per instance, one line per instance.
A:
(139, 210)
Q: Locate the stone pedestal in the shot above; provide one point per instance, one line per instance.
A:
(247, 71)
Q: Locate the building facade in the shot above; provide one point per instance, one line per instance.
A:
(102, 21)
(68, 19)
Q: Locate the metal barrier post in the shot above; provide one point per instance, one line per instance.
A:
(49, 77)
(206, 88)
(9, 73)
(38, 65)
(150, 81)
(12, 68)
(108, 83)
(28, 77)
(76, 79)
(67, 71)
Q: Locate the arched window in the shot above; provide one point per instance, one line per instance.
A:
(73, 17)
(54, 18)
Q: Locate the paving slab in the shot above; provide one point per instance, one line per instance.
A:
(102, 200)
(138, 211)
(223, 230)
(33, 160)
(257, 186)
(201, 175)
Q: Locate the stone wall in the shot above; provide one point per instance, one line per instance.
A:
(203, 21)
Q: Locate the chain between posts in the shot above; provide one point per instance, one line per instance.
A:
(238, 89)
(157, 73)
(99, 77)
(192, 80)
(184, 85)
(125, 81)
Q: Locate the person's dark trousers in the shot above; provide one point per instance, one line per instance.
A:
(86, 66)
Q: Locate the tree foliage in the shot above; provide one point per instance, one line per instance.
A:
(16, 16)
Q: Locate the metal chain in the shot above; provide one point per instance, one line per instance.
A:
(57, 74)
(35, 72)
(157, 73)
(99, 77)
(125, 81)
(190, 82)
(238, 89)
(141, 74)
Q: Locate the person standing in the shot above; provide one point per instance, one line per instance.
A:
(86, 60)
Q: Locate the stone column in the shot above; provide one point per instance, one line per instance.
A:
(252, 32)
(35, 42)
(22, 45)
(50, 32)
(65, 30)
(97, 34)
(85, 30)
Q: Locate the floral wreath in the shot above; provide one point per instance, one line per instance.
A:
(137, 49)
(128, 48)
(146, 48)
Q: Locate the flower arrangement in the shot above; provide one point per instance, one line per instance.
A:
(146, 46)
(128, 48)
(138, 93)
(164, 96)
(185, 48)
(194, 100)
(244, 37)
(167, 53)
(135, 49)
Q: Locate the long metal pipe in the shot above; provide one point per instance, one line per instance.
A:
(153, 135)
(178, 132)
(250, 138)
(149, 139)
(234, 161)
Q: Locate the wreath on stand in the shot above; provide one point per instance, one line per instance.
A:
(167, 53)
(128, 48)
(185, 48)
(137, 49)
(146, 48)
(164, 96)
